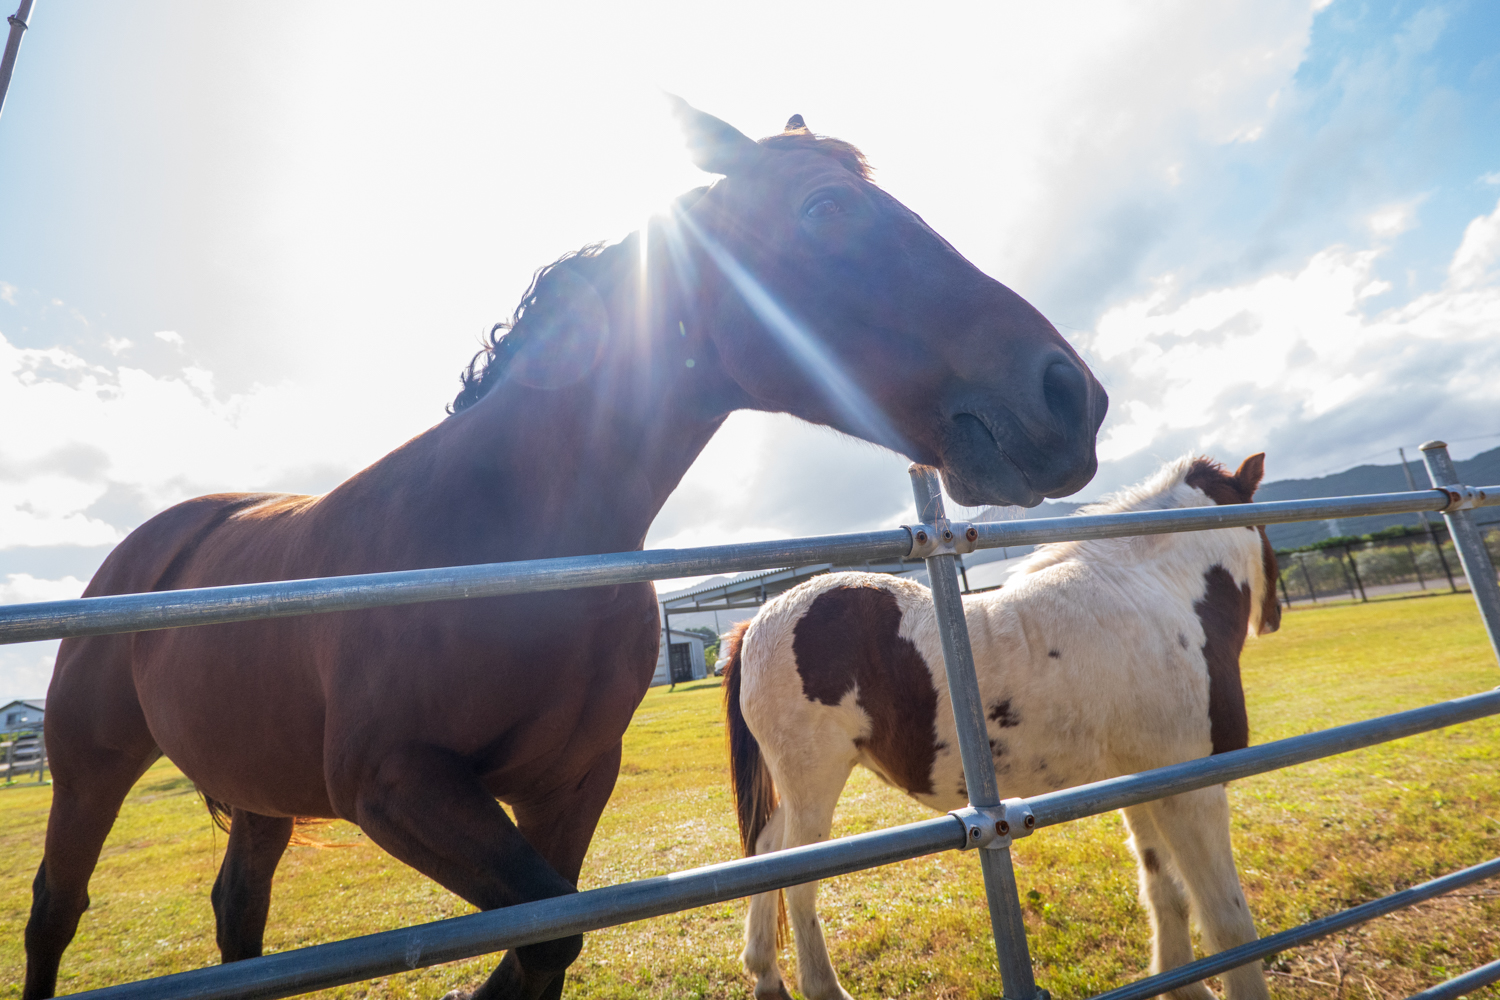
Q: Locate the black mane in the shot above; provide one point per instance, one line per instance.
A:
(488, 366)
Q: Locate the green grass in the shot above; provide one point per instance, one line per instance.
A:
(1310, 840)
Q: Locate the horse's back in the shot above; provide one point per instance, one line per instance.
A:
(92, 704)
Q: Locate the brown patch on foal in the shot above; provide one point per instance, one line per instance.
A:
(1221, 487)
(849, 639)
(1225, 615)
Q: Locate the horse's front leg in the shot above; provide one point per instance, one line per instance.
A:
(1196, 828)
(428, 808)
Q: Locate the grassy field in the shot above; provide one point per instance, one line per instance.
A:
(1309, 841)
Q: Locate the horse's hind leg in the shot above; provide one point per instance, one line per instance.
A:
(761, 935)
(1196, 828)
(98, 745)
(1166, 902)
(242, 892)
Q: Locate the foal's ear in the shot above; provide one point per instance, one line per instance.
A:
(714, 145)
(1249, 474)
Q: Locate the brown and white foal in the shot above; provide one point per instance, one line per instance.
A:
(1097, 659)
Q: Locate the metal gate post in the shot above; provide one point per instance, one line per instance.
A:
(973, 738)
(1466, 539)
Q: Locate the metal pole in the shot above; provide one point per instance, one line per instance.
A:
(1427, 526)
(18, 27)
(1006, 919)
(1412, 555)
(1308, 577)
(1284, 595)
(1355, 567)
(1471, 551)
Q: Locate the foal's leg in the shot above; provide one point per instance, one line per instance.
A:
(1165, 901)
(1196, 825)
(427, 808)
(808, 804)
(242, 892)
(760, 951)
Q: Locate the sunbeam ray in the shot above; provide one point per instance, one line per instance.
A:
(864, 418)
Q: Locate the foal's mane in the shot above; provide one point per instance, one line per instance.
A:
(595, 264)
(1158, 492)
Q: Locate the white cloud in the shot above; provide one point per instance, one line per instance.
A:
(26, 668)
(23, 588)
(170, 336)
(1391, 221)
(1478, 252)
(166, 437)
(1275, 359)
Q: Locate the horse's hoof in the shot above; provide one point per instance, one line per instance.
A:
(780, 993)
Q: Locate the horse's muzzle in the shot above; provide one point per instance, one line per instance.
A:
(1000, 454)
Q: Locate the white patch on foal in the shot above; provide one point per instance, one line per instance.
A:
(1097, 659)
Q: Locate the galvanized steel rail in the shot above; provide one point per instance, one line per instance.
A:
(320, 966)
(285, 598)
(987, 823)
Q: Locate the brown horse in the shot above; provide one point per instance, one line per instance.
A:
(793, 284)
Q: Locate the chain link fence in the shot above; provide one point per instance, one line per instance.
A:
(1392, 561)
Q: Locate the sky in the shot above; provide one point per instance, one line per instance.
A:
(252, 253)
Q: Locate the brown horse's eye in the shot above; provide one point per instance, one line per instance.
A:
(822, 207)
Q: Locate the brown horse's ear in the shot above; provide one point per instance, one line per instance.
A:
(1249, 474)
(715, 146)
(796, 126)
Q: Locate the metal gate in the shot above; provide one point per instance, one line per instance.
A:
(987, 824)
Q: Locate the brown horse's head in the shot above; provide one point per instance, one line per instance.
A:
(838, 304)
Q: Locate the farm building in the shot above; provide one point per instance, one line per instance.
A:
(25, 713)
(681, 659)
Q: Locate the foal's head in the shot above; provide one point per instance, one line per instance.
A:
(794, 284)
(1244, 553)
(1210, 478)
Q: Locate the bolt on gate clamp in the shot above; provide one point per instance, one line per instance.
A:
(1461, 497)
(941, 538)
(994, 827)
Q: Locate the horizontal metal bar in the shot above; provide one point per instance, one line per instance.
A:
(1461, 985)
(457, 938)
(320, 966)
(1116, 793)
(993, 534)
(278, 599)
(1244, 954)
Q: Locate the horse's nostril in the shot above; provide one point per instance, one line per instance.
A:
(1066, 393)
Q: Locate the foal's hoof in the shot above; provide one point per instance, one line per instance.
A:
(780, 993)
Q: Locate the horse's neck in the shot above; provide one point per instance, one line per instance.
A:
(589, 467)
(526, 472)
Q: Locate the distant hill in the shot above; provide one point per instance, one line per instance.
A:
(1481, 470)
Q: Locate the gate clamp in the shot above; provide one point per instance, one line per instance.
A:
(1461, 497)
(941, 538)
(994, 827)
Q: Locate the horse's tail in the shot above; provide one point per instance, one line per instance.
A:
(223, 816)
(754, 791)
